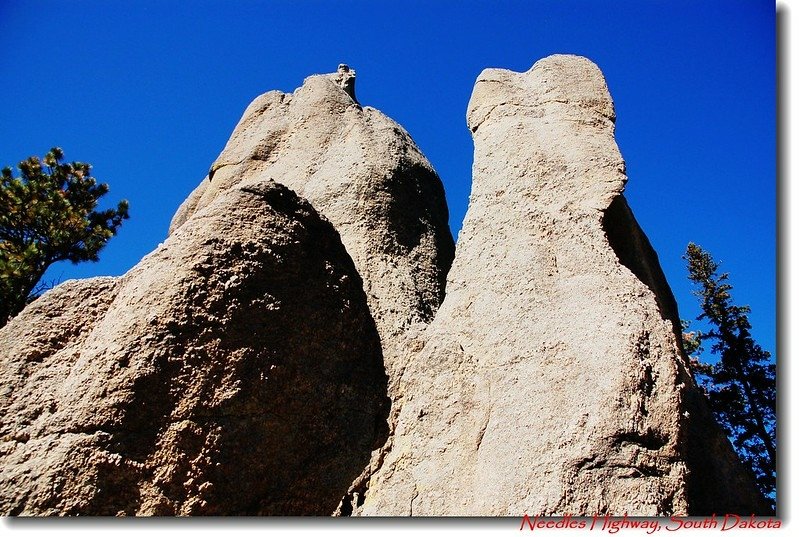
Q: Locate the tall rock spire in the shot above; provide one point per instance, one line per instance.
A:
(552, 380)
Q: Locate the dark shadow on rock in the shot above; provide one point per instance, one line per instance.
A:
(635, 252)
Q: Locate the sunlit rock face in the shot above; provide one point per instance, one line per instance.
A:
(552, 380)
(300, 345)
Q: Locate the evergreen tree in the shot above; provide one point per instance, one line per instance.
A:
(741, 386)
(48, 214)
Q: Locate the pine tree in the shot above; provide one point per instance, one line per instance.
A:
(48, 214)
(741, 386)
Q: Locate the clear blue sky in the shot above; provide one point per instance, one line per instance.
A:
(149, 92)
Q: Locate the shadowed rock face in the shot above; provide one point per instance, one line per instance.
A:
(235, 370)
(552, 380)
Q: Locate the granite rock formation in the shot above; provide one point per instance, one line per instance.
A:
(363, 172)
(234, 370)
(552, 380)
(290, 349)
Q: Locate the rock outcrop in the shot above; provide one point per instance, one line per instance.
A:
(552, 380)
(290, 344)
(363, 172)
(235, 370)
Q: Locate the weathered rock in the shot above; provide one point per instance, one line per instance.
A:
(552, 380)
(238, 369)
(363, 172)
(345, 78)
(235, 370)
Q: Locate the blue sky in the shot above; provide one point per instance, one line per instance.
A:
(149, 92)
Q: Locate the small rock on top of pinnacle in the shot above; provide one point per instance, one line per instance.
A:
(345, 78)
